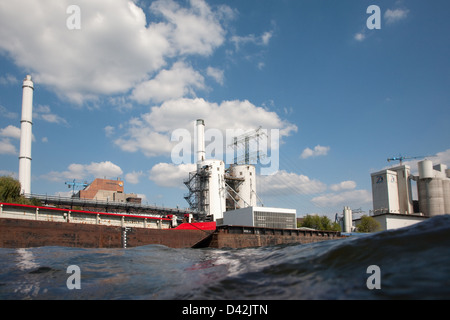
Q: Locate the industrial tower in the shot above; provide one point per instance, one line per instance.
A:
(26, 136)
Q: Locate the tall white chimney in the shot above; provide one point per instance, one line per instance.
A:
(200, 141)
(26, 135)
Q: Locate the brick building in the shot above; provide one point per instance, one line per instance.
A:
(107, 190)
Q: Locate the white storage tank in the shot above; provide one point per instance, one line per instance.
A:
(431, 196)
(446, 191)
(247, 189)
(216, 187)
(348, 221)
(426, 169)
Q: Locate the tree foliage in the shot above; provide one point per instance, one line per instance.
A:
(10, 192)
(320, 223)
(368, 224)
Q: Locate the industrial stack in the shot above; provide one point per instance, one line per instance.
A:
(26, 123)
(228, 196)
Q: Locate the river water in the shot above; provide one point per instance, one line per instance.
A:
(407, 263)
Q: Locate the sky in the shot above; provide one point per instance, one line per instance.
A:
(341, 87)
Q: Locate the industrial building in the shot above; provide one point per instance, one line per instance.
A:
(393, 203)
(228, 195)
(107, 190)
(264, 217)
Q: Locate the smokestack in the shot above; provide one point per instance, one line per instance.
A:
(26, 135)
(200, 140)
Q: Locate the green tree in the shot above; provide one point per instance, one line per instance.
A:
(10, 192)
(368, 224)
(320, 223)
(9, 189)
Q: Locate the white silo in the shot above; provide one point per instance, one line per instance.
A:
(348, 221)
(430, 189)
(211, 175)
(215, 192)
(247, 189)
(26, 135)
(446, 190)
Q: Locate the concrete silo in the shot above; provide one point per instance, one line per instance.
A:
(430, 187)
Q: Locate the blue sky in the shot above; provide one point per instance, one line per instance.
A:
(109, 94)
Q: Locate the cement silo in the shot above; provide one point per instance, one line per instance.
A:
(446, 187)
(214, 190)
(430, 189)
(246, 193)
(347, 220)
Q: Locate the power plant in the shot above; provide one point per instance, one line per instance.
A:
(221, 195)
(26, 135)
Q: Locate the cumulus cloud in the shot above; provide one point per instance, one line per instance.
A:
(6, 147)
(284, 182)
(344, 185)
(86, 171)
(10, 132)
(180, 81)
(170, 175)
(395, 15)
(118, 47)
(151, 132)
(133, 177)
(262, 40)
(318, 151)
(44, 113)
(216, 74)
(346, 198)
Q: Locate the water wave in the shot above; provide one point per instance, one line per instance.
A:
(414, 263)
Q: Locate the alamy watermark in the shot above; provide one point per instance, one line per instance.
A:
(73, 21)
(263, 150)
(374, 280)
(74, 280)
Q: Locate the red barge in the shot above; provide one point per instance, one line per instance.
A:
(23, 226)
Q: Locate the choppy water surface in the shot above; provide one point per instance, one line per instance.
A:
(414, 264)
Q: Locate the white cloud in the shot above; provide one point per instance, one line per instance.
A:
(395, 15)
(442, 157)
(109, 131)
(216, 74)
(318, 151)
(151, 133)
(175, 83)
(170, 175)
(262, 40)
(44, 113)
(8, 79)
(133, 177)
(347, 198)
(359, 36)
(86, 171)
(6, 147)
(7, 114)
(194, 30)
(117, 48)
(10, 132)
(284, 182)
(344, 185)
